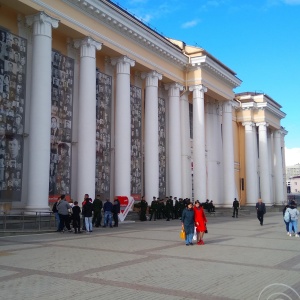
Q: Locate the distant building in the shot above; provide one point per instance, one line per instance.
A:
(292, 171)
(294, 184)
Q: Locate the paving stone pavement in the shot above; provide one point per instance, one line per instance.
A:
(147, 260)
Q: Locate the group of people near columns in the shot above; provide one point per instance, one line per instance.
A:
(168, 208)
(89, 214)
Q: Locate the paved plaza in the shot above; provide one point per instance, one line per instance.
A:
(147, 260)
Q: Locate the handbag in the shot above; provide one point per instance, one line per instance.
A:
(195, 234)
(182, 234)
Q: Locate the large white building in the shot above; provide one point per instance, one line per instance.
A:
(94, 101)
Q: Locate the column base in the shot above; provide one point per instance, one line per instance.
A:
(33, 210)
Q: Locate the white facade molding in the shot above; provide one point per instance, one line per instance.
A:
(127, 25)
(275, 111)
(206, 63)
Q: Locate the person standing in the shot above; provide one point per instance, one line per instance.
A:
(97, 206)
(153, 209)
(143, 212)
(83, 218)
(55, 211)
(200, 222)
(188, 223)
(63, 208)
(294, 213)
(235, 206)
(87, 211)
(107, 208)
(76, 217)
(169, 208)
(116, 211)
(261, 210)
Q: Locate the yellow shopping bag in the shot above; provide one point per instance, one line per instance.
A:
(182, 234)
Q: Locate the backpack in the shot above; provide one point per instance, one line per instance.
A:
(287, 216)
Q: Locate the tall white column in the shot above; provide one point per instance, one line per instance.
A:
(87, 117)
(40, 111)
(151, 136)
(199, 164)
(228, 155)
(264, 163)
(279, 195)
(250, 161)
(185, 147)
(213, 153)
(174, 139)
(123, 126)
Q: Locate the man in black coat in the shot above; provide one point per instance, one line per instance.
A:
(261, 210)
(235, 206)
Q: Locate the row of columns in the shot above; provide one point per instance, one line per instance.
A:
(179, 148)
(262, 188)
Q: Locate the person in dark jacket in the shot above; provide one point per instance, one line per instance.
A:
(188, 223)
(235, 206)
(87, 210)
(153, 209)
(76, 217)
(116, 211)
(143, 211)
(261, 210)
(55, 211)
(97, 206)
(107, 208)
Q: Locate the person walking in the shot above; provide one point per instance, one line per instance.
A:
(200, 222)
(188, 223)
(153, 209)
(294, 213)
(235, 206)
(261, 210)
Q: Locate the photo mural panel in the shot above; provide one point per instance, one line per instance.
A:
(162, 146)
(13, 59)
(103, 134)
(136, 141)
(61, 125)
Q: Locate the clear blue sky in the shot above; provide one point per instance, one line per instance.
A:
(258, 39)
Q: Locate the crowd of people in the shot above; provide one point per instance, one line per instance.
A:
(89, 214)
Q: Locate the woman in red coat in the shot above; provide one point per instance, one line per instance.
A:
(200, 222)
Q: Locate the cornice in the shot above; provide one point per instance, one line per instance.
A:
(126, 25)
(206, 63)
(275, 111)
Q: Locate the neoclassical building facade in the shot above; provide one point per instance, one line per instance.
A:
(94, 101)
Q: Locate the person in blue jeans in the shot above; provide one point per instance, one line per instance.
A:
(294, 213)
(188, 224)
(107, 208)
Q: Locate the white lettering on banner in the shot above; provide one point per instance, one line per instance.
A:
(125, 205)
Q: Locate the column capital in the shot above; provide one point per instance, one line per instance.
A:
(42, 23)
(227, 106)
(151, 78)
(173, 89)
(199, 87)
(87, 47)
(262, 125)
(123, 64)
(248, 123)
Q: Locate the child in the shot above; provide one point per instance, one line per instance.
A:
(294, 213)
(76, 217)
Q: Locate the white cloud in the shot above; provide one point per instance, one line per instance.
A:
(190, 24)
(292, 156)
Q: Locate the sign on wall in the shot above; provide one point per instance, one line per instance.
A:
(13, 58)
